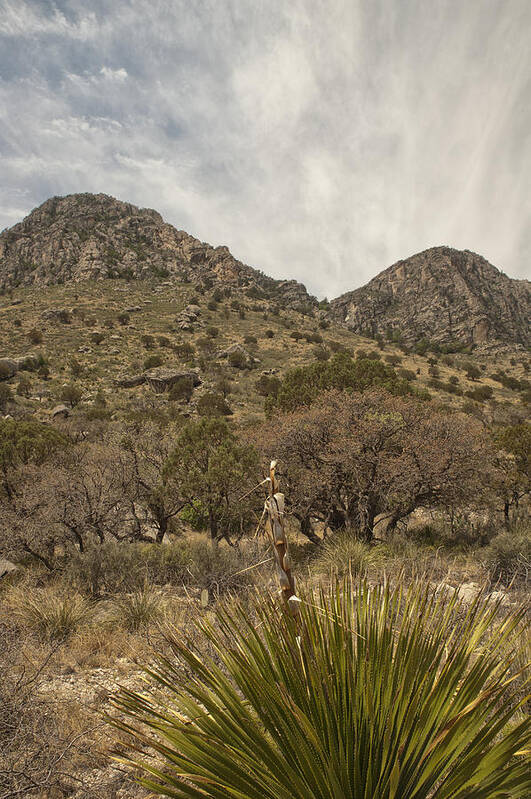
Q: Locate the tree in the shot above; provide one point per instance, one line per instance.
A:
(210, 465)
(352, 457)
(150, 448)
(514, 462)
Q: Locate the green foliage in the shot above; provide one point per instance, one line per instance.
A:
(123, 318)
(212, 332)
(381, 695)
(209, 465)
(480, 393)
(302, 385)
(516, 439)
(97, 337)
(472, 371)
(27, 442)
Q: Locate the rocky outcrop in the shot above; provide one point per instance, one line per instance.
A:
(94, 236)
(443, 295)
(161, 379)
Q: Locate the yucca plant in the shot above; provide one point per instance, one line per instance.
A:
(368, 693)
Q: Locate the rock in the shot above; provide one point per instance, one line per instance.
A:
(8, 368)
(133, 309)
(6, 567)
(114, 351)
(60, 314)
(501, 597)
(130, 381)
(84, 349)
(60, 412)
(247, 359)
(161, 379)
(193, 309)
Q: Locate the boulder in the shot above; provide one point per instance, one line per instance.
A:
(8, 368)
(60, 412)
(6, 567)
(161, 379)
(129, 381)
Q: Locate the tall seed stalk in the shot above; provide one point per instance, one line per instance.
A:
(274, 508)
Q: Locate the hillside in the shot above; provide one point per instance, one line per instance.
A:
(443, 295)
(106, 300)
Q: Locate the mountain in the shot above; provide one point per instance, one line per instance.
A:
(443, 295)
(94, 236)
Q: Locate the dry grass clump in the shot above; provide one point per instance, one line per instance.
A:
(49, 612)
(342, 554)
(508, 556)
(138, 610)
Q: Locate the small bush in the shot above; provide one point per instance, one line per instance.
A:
(213, 404)
(182, 390)
(148, 341)
(123, 318)
(269, 334)
(6, 395)
(35, 336)
(97, 337)
(71, 394)
(212, 332)
(237, 359)
(152, 361)
(164, 341)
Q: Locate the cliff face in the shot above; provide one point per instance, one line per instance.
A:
(444, 295)
(94, 236)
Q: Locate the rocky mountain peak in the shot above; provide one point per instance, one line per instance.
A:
(94, 236)
(443, 295)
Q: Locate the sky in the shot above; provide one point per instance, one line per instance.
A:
(321, 140)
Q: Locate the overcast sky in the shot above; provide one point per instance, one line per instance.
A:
(321, 140)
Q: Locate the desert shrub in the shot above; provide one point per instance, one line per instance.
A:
(152, 361)
(269, 334)
(321, 353)
(6, 395)
(24, 386)
(71, 394)
(212, 305)
(185, 350)
(250, 339)
(296, 335)
(382, 696)
(213, 404)
(313, 337)
(164, 341)
(23, 442)
(97, 337)
(508, 555)
(337, 346)
(237, 359)
(480, 393)
(123, 318)
(17, 322)
(472, 371)
(182, 390)
(212, 331)
(148, 341)
(48, 613)
(406, 374)
(267, 384)
(138, 610)
(35, 336)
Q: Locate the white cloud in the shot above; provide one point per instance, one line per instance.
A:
(321, 141)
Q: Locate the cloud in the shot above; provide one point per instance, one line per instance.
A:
(320, 140)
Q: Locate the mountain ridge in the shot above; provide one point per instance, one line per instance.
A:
(441, 294)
